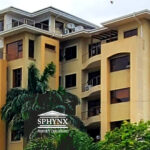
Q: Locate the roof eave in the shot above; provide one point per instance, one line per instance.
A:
(119, 19)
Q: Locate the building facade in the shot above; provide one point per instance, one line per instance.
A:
(107, 67)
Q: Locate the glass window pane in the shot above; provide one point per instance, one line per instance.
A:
(14, 50)
(70, 80)
(70, 52)
(122, 95)
(119, 63)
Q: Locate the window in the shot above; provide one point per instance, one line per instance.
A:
(71, 52)
(121, 95)
(70, 80)
(61, 53)
(116, 124)
(93, 108)
(112, 39)
(14, 136)
(1, 25)
(130, 33)
(51, 47)
(94, 49)
(31, 48)
(60, 80)
(94, 78)
(94, 132)
(14, 50)
(59, 25)
(16, 23)
(17, 77)
(43, 25)
(119, 62)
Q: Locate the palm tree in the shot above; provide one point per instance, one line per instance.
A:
(23, 105)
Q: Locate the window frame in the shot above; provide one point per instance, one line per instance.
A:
(74, 86)
(13, 78)
(114, 96)
(74, 45)
(11, 139)
(119, 56)
(58, 28)
(14, 20)
(19, 44)
(90, 49)
(33, 50)
(130, 33)
(2, 27)
(51, 47)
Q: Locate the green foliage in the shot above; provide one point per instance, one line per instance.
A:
(37, 83)
(128, 137)
(23, 105)
(72, 140)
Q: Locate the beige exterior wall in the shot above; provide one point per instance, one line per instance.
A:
(3, 89)
(42, 57)
(137, 78)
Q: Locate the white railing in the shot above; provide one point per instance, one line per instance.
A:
(93, 52)
(16, 23)
(93, 82)
(94, 111)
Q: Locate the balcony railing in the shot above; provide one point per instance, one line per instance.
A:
(94, 111)
(93, 52)
(16, 23)
(91, 83)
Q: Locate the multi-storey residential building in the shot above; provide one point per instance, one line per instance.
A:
(107, 67)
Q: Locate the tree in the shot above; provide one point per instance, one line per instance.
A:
(73, 140)
(23, 105)
(128, 137)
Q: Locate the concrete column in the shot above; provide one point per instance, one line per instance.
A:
(105, 97)
(7, 22)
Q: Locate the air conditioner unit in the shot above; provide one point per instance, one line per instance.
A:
(66, 31)
(70, 26)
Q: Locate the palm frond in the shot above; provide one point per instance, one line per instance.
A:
(33, 78)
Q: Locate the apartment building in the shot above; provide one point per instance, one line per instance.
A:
(107, 67)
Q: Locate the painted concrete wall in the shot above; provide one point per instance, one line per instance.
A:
(3, 89)
(41, 59)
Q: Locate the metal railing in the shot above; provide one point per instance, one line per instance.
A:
(16, 23)
(93, 52)
(94, 111)
(93, 82)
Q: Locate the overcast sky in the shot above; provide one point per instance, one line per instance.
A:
(95, 11)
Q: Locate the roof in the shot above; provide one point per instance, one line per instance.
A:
(52, 10)
(128, 18)
(52, 114)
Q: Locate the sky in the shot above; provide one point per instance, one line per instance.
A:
(95, 11)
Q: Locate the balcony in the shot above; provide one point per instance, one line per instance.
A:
(16, 23)
(92, 58)
(91, 116)
(94, 111)
(93, 82)
(91, 87)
